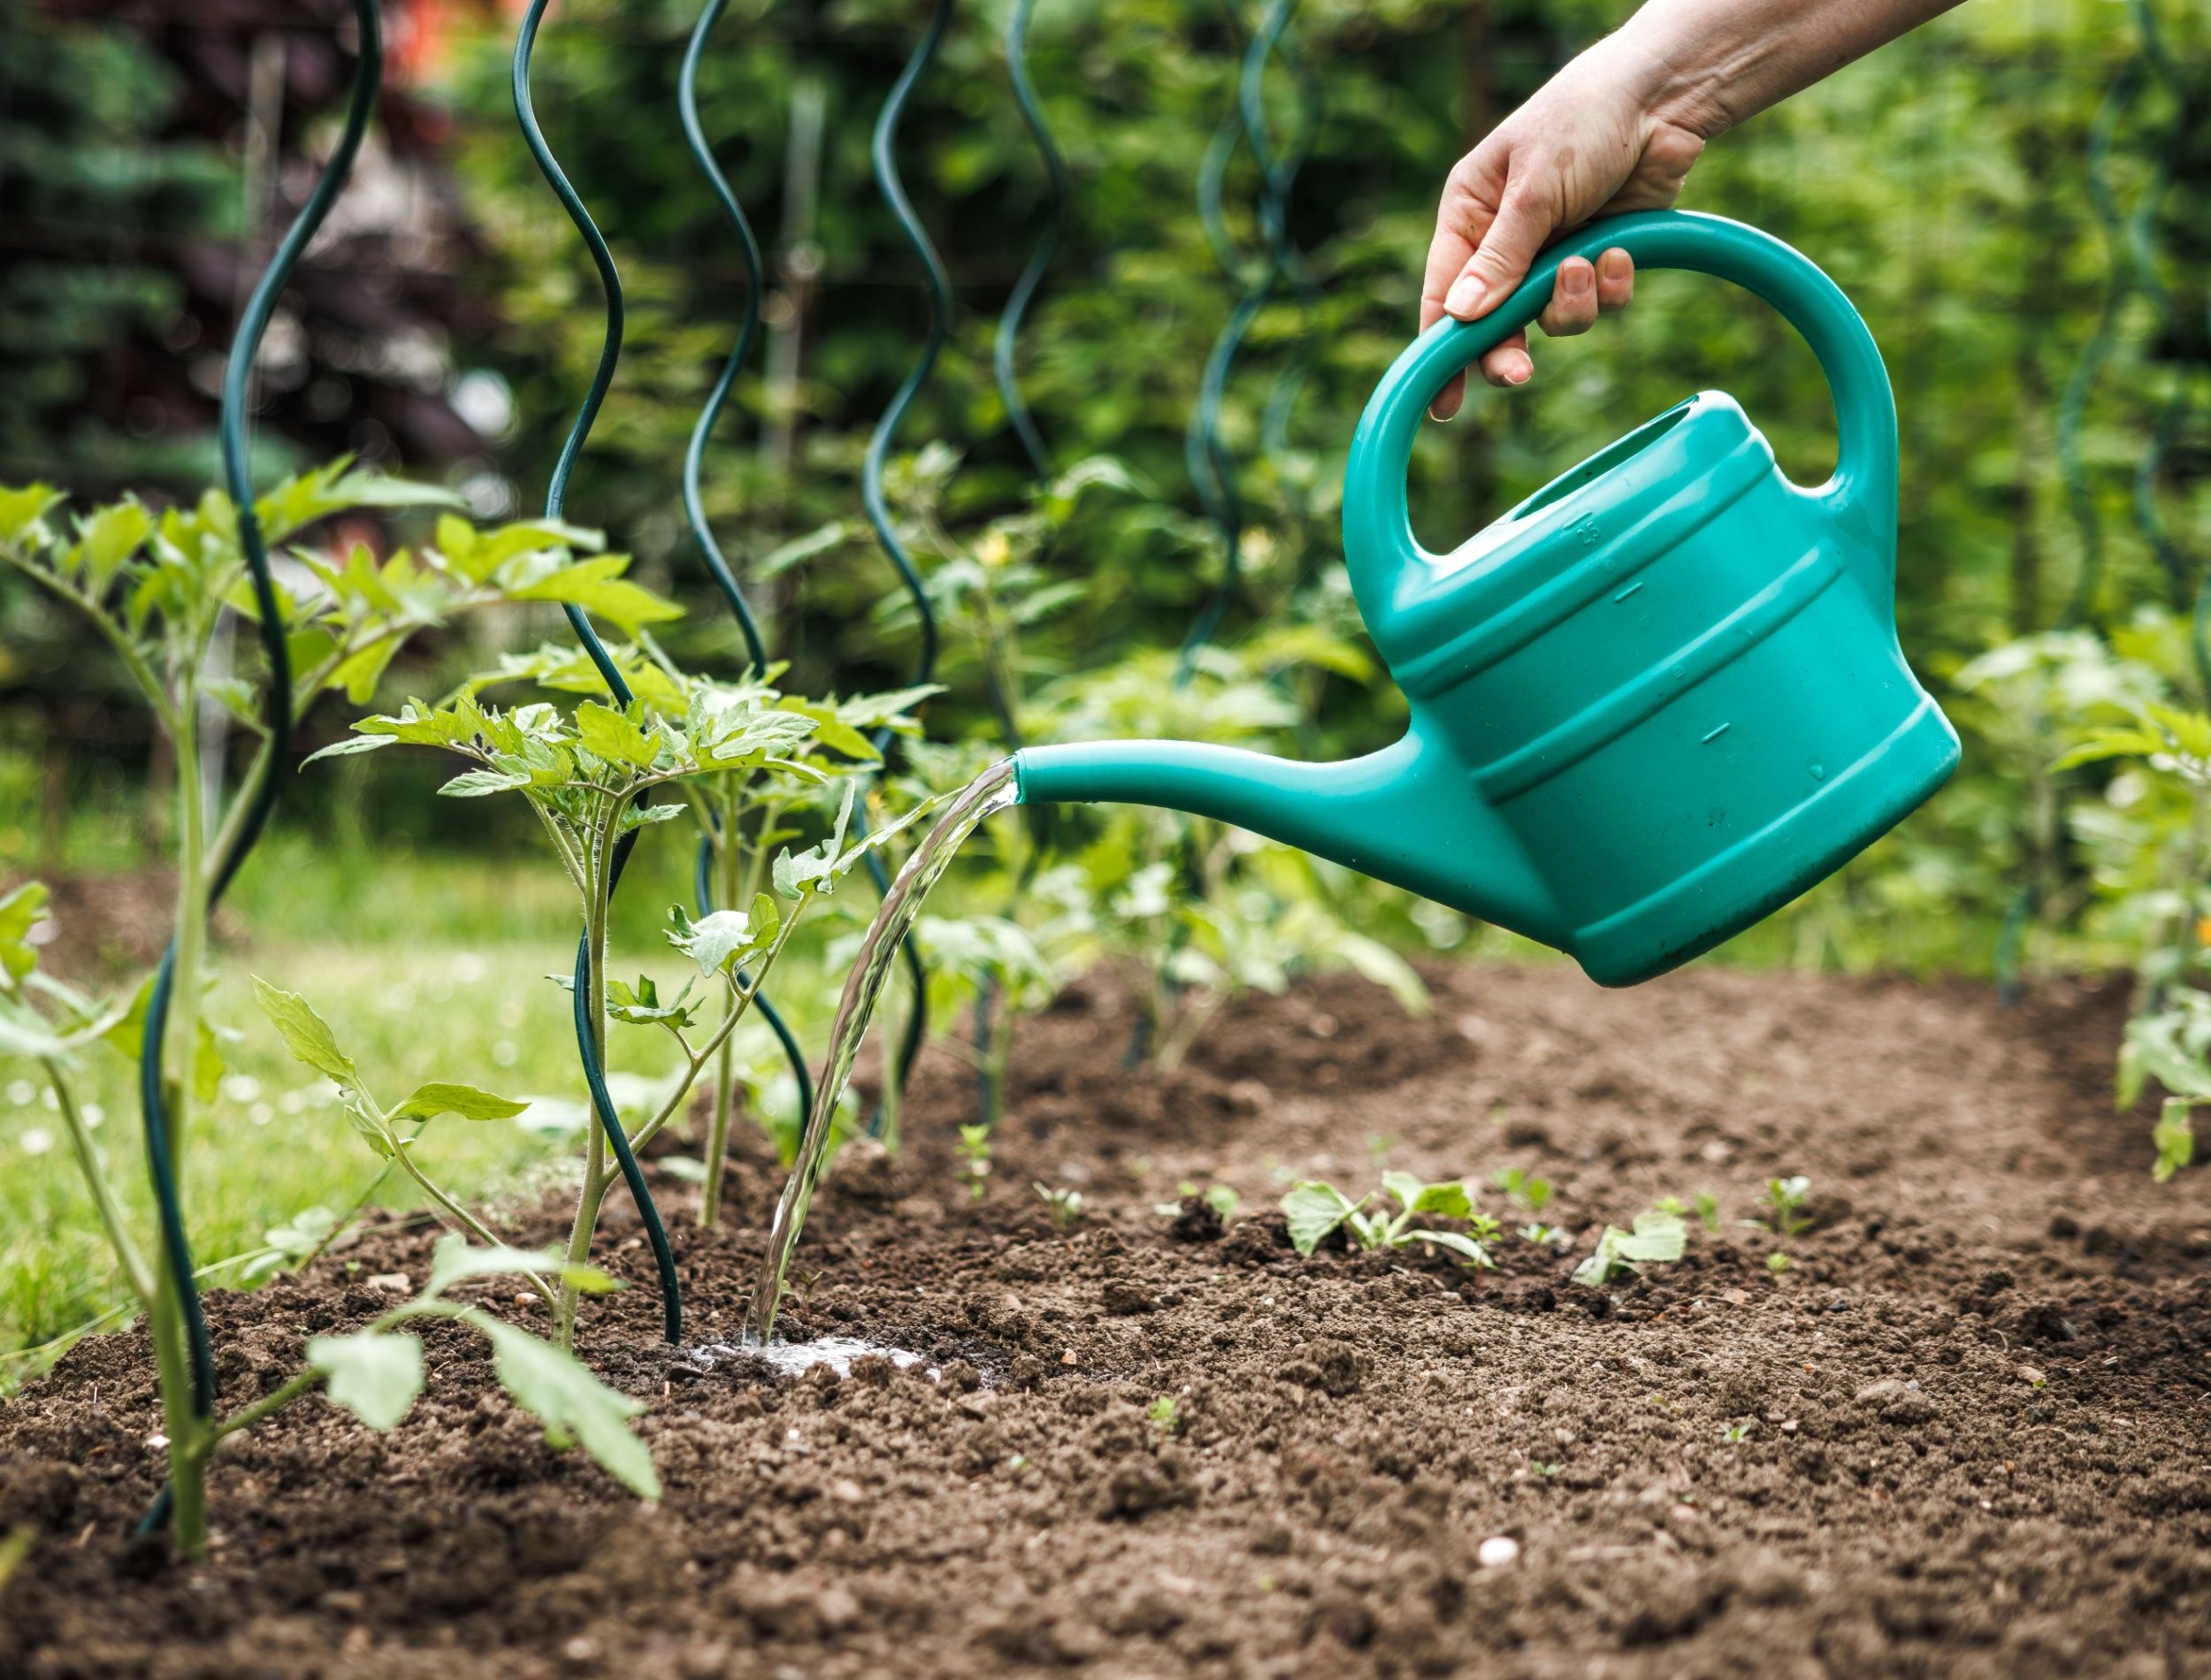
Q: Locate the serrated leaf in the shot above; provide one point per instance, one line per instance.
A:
(718, 942)
(598, 587)
(350, 745)
(574, 1405)
(305, 1034)
(374, 1374)
(474, 784)
(613, 737)
(640, 1005)
(430, 1100)
(1314, 1209)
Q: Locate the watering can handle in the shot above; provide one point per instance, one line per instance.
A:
(1378, 536)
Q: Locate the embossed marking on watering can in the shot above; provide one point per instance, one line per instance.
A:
(1605, 719)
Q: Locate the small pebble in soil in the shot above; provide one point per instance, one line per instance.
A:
(1497, 1552)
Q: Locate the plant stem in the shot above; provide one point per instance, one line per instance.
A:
(127, 1251)
(187, 1430)
(730, 858)
(593, 1194)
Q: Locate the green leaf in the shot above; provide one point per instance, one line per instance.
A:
(1314, 1209)
(614, 737)
(2174, 1135)
(1656, 1237)
(454, 1260)
(429, 1100)
(351, 744)
(640, 1005)
(574, 1405)
(598, 588)
(21, 508)
(359, 672)
(305, 1034)
(374, 1374)
(830, 730)
(108, 538)
(1465, 1246)
(474, 784)
(1448, 1199)
(125, 1035)
(726, 937)
(20, 911)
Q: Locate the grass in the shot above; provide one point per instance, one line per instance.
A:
(426, 968)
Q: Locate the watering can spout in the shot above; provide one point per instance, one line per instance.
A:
(1407, 814)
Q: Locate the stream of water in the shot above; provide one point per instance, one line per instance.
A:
(990, 793)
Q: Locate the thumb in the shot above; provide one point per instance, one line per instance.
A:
(1502, 262)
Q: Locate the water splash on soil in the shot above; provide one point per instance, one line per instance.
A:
(799, 1357)
(990, 793)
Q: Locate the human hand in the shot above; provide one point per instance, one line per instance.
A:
(1590, 142)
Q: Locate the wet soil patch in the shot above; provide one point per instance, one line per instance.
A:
(1964, 1434)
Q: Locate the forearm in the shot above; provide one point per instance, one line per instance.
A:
(1711, 64)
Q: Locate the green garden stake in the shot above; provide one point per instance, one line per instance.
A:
(1652, 703)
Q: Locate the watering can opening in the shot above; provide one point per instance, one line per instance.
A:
(1601, 464)
(1652, 703)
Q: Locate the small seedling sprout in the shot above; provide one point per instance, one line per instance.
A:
(975, 1158)
(1062, 1205)
(1164, 1415)
(1522, 1188)
(1785, 1205)
(1316, 1210)
(1658, 1236)
(1777, 1262)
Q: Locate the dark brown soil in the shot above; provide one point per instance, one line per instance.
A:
(1972, 1417)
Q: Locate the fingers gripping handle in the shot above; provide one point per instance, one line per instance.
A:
(1378, 538)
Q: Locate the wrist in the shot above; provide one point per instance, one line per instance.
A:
(1674, 80)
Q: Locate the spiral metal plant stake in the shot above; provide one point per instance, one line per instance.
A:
(883, 153)
(589, 1020)
(1041, 255)
(1292, 265)
(1211, 469)
(163, 1143)
(2080, 499)
(1005, 347)
(694, 500)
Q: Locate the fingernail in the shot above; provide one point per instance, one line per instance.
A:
(1465, 296)
(1436, 410)
(1576, 279)
(1616, 266)
(1518, 376)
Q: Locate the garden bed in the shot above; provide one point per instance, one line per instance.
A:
(1971, 1415)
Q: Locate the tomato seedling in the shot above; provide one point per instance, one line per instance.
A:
(1316, 1210)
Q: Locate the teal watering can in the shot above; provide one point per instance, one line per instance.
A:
(1650, 705)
